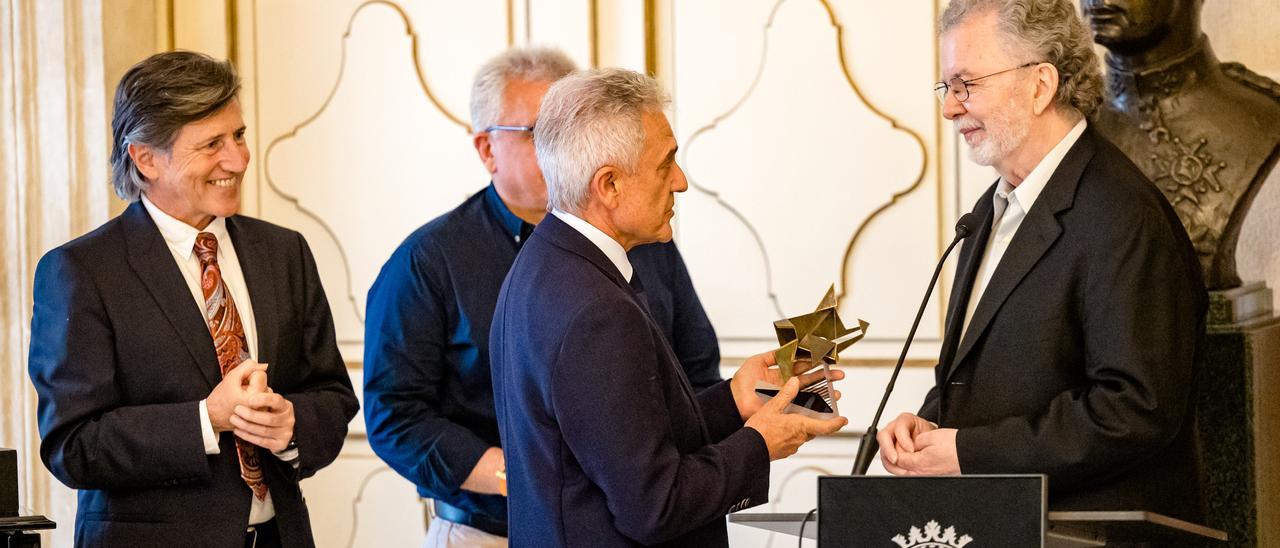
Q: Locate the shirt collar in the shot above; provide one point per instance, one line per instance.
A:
(611, 248)
(510, 223)
(1034, 184)
(180, 236)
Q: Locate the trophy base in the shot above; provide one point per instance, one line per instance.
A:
(811, 401)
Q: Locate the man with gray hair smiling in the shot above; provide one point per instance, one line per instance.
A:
(606, 442)
(1077, 304)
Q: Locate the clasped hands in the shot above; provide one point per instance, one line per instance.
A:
(243, 404)
(783, 433)
(912, 446)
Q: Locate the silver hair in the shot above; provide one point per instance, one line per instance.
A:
(1048, 31)
(590, 120)
(155, 99)
(530, 64)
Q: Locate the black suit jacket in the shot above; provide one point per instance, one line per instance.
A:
(1078, 360)
(606, 443)
(121, 356)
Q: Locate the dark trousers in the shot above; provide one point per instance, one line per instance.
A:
(262, 535)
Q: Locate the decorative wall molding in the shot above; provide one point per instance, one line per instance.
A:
(909, 149)
(296, 200)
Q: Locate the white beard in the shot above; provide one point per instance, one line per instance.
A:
(1005, 130)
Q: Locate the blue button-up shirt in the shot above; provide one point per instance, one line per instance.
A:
(428, 402)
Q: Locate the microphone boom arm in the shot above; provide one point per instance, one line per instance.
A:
(868, 447)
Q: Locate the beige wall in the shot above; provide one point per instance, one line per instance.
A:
(54, 189)
(1245, 31)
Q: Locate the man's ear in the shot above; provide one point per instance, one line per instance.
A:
(604, 186)
(484, 149)
(146, 159)
(1046, 87)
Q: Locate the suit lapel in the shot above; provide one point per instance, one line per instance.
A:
(150, 258)
(1039, 230)
(966, 273)
(255, 263)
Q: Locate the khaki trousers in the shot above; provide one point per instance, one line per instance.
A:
(447, 534)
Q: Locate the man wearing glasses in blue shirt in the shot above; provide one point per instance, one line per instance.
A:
(428, 395)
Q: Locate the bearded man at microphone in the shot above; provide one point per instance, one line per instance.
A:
(1077, 304)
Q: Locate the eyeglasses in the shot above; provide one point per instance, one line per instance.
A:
(961, 87)
(509, 128)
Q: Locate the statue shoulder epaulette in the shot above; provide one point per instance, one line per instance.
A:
(1242, 74)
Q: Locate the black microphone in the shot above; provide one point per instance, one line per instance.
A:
(869, 446)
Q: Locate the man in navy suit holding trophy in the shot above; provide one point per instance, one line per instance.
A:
(606, 442)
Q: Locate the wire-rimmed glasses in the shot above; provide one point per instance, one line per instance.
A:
(960, 87)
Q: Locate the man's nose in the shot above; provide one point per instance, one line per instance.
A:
(235, 158)
(680, 182)
(952, 107)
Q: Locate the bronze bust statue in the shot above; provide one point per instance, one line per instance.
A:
(1206, 133)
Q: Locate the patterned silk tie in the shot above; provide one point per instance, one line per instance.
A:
(229, 342)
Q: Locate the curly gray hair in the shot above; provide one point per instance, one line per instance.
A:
(590, 120)
(155, 99)
(1050, 31)
(531, 64)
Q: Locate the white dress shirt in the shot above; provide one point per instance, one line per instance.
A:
(611, 248)
(1011, 206)
(181, 239)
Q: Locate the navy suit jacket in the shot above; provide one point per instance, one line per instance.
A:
(121, 356)
(1078, 362)
(606, 443)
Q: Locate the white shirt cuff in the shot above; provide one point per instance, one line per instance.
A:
(206, 431)
(288, 455)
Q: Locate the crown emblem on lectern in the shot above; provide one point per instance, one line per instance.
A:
(933, 536)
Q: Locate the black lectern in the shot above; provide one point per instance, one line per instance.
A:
(954, 511)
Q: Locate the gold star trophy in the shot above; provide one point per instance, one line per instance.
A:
(807, 341)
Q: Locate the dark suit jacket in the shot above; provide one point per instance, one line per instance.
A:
(121, 357)
(428, 394)
(606, 443)
(1078, 360)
